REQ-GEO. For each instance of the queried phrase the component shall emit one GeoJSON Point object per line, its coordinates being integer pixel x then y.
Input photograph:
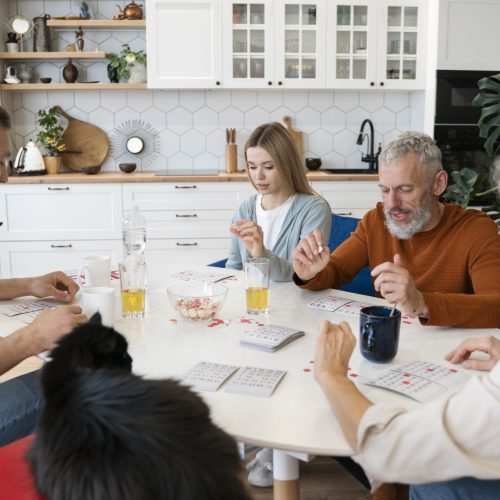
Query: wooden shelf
{"type": "Point", "coordinates": [72, 86]}
{"type": "Point", "coordinates": [96, 24]}
{"type": "Point", "coordinates": [17, 56]}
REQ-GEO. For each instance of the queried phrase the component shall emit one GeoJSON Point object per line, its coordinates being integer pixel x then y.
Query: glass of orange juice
{"type": "Point", "coordinates": [258, 273]}
{"type": "Point", "coordinates": [133, 286]}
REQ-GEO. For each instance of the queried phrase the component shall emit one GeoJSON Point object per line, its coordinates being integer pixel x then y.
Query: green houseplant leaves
{"type": "Point", "coordinates": [468, 181]}
{"type": "Point", "coordinates": [489, 122]}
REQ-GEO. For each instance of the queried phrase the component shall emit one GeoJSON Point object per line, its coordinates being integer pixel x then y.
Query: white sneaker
{"type": "Point", "coordinates": [260, 469]}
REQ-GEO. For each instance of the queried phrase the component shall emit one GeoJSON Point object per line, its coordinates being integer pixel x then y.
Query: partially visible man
{"type": "Point", "coordinates": [444, 443]}
{"type": "Point", "coordinates": [20, 397]}
{"type": "Point", "coordinates": [436, 261]}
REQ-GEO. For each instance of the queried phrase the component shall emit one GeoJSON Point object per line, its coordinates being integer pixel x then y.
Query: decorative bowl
{"type": "Point", "coordinates": [127, 168]}
{"type": "Point", "coordinates": [45, 80]}
{"type": "Point", "coordinates": [197, 301]}
{"type": "Point", "coordinates": [91, 170]}
{"type": "Point", "coordinates": [313, 163]}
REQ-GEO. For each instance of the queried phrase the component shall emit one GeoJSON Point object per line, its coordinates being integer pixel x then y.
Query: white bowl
{"type": "Point", "coordinates": [197, 301]}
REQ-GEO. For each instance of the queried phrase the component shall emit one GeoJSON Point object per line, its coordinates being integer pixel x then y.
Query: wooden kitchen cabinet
{"type": "Point", "coordinates": [274, 44]}
{"type": "Point", "coordinates": [376, 44]}
{"type": "Point", "coordinates": [352, 199]}
{"type": "Point", "coordinates": [184, 43]}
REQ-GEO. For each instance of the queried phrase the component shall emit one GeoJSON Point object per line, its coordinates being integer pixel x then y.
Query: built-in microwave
{"type": "Point", "coordinates": [454, 94]}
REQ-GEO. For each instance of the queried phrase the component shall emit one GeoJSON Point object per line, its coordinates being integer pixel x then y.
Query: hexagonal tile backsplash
{"type": "Point", "coordinates": [191, 123]}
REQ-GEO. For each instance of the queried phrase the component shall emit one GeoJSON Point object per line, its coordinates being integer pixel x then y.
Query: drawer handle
{"type": "Point", "coordinates": [61, 246]}
{"type": "Point", "coordinates": [343, 213]}
{"type": "Point", "coordinates": [186, 244]}
{"type": "Point", "coordinates": [58, 189]}
{"type": "Point", "coordinates": [186, 215]}
{"type": "Point", "coordinates": [186, 187]}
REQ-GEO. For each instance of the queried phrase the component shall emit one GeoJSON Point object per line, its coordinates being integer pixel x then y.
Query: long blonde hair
{"type": "Point", "coordinates": [274, 138]}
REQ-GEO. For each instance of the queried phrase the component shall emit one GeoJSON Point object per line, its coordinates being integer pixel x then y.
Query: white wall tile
{"type": "Point", "coordinates": [139, 101]}
{"type": "Point", "coordinates": [346, 101]}
{"type": "Point", "coordinates": [193, 143]}
{"type": "Point", "coordinates": [321, 100]}
{"type": "Point", "coordinates": [192, 100]}
{"type": "Point", "coordinates": [269, 101]}
{"type": "Point", "coordinates": [371, 101]}
{"type": "Point", "coordinates": [320, 142]}
{"type": "Point", "coordinates": [179, 120]}
{"type": "Point", "coordinates": [87, 101]}
{"type": "Point", "coordinates": [396, 101]}
{"type": "Point", "coordinates": [345, 142]}
{"type": "Point", "coordinates": [295, 100]}
{"type": "Point", "coordinates": [218, 99]}
{"type": "Point", "coordinates": [307, 119]}
{"type": "Point", "coordinates": [243, 100]}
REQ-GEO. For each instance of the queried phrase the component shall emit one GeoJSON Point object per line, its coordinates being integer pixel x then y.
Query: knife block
{"type": "Point", "coordinates": [231, 158]}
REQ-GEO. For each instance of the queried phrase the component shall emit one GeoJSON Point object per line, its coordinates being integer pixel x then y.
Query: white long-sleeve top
{"type": "Point", "coordinates": [446, 439]}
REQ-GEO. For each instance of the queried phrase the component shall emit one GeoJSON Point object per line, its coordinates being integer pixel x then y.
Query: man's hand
{"type": "Point", "coordinates": [251, 234]}
{"type": "Point", "coordinates": [395, 284]}
{"type": "Point", "coordinates": [51, 324]}
{"type": "Point", "coordinates": [334, 348]}
{"type": "Point", "coordinates": [56, 284]}
{"type": "Point", "coordinates": [487, 344]}
{"type": "Point", "coordinates": [311, 256]}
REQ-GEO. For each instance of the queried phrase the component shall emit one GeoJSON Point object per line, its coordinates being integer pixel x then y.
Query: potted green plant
{"type": "Point", "coordinates": [129, 65]}
{"type": "Point", "coordinates": [467, 181]}
{"type": "Point", "coordinates": [50, 138]}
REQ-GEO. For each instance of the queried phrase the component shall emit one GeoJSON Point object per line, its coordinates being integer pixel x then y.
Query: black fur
{"type": "Point", "coordinates": [107, 434]}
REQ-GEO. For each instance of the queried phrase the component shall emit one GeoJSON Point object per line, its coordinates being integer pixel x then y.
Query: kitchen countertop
{"type": "Point", "coordinates": [118, 177]}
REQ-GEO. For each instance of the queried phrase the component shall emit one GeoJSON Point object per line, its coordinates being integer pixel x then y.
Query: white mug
{"type": "Point", "coordinates": [99, 299]}
{"type": "Point", "coordinates": [97, 271]}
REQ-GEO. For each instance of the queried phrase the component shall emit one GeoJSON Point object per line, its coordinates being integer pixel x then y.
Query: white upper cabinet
{"type": "Point", "coordinates": [358, 44]}
{"type": "Point", "coordinates": [376, 44]}
{"type": "Point", "coordinates": [276, 44]}
{"type": "Point", "coordinates": [469, 38]}
{"type": "Point", "coordinates": [184, 43]}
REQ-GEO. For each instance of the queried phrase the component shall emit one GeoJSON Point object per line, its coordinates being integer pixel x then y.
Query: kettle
{"type": "Point", "coordinates": [132, 11]}
{"type": "Point", "coordinates": [11, 75]}
{"type": "Point", "coordinates": [29, 160]}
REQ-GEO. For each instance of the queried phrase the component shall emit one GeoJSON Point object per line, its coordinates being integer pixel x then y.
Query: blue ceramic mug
{"type": "Point", "coordinates": [379, 333]}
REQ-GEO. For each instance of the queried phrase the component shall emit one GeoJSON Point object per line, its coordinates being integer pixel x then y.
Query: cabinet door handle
{"type": "Point", "coordinates": [186, 244]}
{"type": "Point", "coordinates": [61, 246]}
{"type": "Point", "coordinates": [343, 213]}
{"type": "Point", "coordinates": [186, 187]}
{"type": "Point", "coordinates": [58, 189]}
{"type": "Point", "coordinates": [269, 83]}
{"type": "Point", "coordinates": [186, 215]}
{"type": "Point", "coordinates": [381, 84]}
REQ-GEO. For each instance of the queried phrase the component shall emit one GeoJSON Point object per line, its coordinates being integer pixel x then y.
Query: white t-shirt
{"type": "Point", "coordinates": [271, 221]}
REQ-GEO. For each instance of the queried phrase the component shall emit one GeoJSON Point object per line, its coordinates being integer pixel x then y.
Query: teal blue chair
{"type": "Point", "coordinates": [341, 229]}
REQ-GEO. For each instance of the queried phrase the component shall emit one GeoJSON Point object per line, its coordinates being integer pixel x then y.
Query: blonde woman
{"type": "Point", "coordinates": [271, 223]}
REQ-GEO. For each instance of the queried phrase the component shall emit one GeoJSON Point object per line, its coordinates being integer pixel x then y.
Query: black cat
{"type": "Point", "coordinates": [106, 434]}
{"type": "Point", "coordinates": [89, 347]}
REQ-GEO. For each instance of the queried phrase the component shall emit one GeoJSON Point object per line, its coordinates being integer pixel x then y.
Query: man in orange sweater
{"type": "Point", "coordinates": [439, 262]}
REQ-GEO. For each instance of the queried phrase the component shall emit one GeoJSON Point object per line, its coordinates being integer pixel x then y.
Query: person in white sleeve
{"type": "Point", "coordinates": [448, 449]}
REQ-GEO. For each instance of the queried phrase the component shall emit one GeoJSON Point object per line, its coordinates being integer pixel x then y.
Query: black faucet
{"type": "Point", "coordinates": [371, 158]}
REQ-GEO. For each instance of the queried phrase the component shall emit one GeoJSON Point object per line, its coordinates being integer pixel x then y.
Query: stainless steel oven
{"type": "Point", "coordinates": [456, 131]}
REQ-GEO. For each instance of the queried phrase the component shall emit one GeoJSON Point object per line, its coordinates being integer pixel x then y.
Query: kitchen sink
{"type": "Point", "coordinates": [348, 171]}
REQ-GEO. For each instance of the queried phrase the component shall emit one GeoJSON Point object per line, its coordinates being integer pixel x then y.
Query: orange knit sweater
{"type": "Point", "coordinates": [456, 265]}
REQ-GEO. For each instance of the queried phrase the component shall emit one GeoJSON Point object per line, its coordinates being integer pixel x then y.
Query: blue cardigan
{"type": "Point", "coordinates": [307, 212]}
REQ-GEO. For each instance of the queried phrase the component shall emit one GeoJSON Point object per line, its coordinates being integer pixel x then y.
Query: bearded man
{"type": "Point", "coordinates": [436, 261]}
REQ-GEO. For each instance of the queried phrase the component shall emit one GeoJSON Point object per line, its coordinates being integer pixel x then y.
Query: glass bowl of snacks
{"type": "Point", "coordinates": [197, 301]}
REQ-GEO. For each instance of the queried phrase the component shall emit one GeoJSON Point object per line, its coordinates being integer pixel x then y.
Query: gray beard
{"type": "Point", "coordinates": [420, 218]}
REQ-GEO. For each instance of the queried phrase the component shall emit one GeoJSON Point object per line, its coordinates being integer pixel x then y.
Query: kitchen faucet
{"type": "Point", "coordinates": [369, 157]}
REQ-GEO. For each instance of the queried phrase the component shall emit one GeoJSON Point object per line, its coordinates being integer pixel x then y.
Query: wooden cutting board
{"type": "Point", "coordinates": [296, 134]}
{"type": "Point", "coordinates": [87, 144]}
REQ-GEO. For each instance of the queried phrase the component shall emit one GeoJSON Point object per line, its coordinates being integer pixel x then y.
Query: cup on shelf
{"type": "Point", "coordinates": [258, 274]}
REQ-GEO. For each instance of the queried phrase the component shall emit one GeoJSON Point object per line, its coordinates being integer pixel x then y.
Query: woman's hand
{"type": "Point", "coordinates": [251, 234]}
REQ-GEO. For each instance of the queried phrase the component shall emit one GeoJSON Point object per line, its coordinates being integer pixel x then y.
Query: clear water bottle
{"type": "Point", "coordinates": [134, 233]}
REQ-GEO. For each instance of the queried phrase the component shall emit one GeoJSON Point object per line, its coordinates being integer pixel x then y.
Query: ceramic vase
{"type": "Point", "coordinates": [138, 74]}
{"type": "Point", "coordinates": [70, 72]}
{"type": "Point", "coordinates": [112, 74]}
{"type": "Point", "coordinates": [25, 73]}
{"type": "Point", "coordinates": [52, 164]}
